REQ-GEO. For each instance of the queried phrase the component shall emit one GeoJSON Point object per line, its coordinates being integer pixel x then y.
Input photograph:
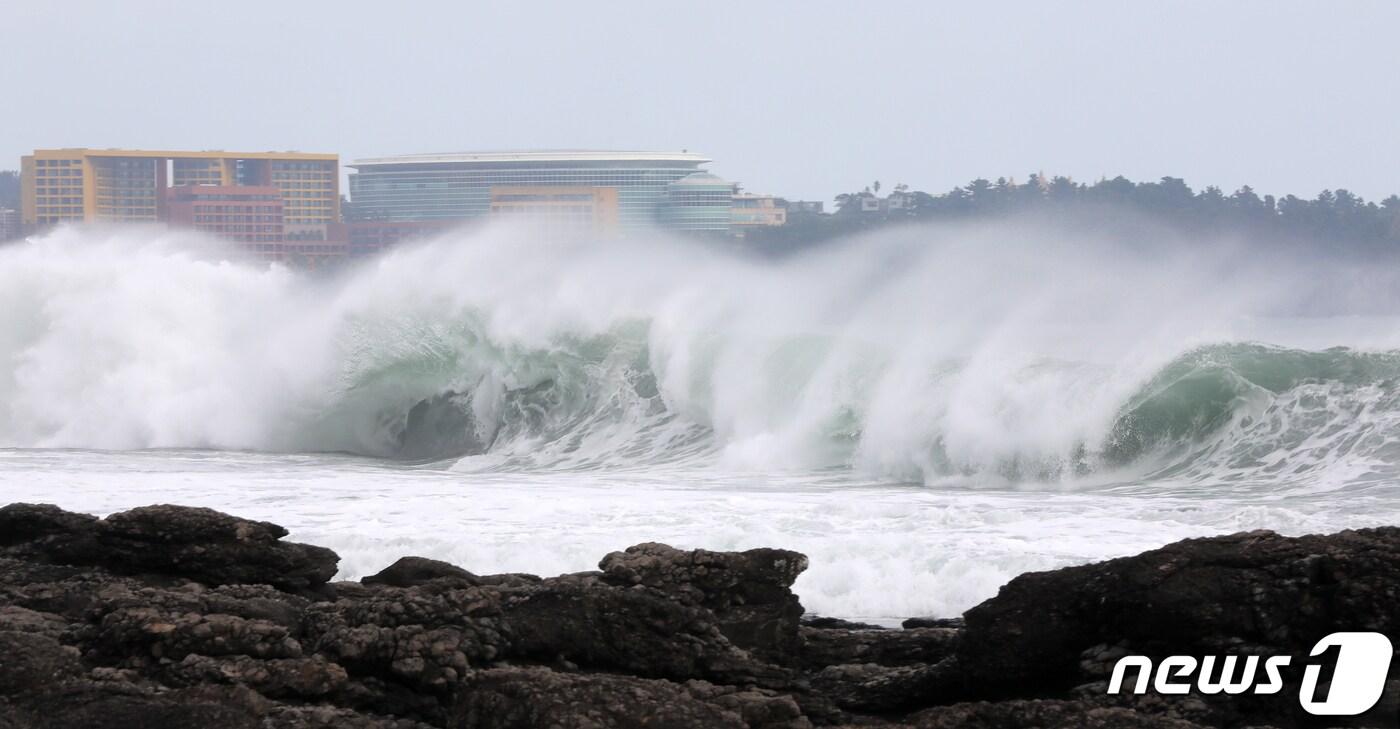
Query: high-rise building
{"type": "Point", "coordinates": [251, 215]}
{"type": "Point", "coordinates": [125, 185]}
{"type": "Point", "coordinates": [456, 187]}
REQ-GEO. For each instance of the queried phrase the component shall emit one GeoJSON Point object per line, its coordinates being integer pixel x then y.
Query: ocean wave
{"type": "Point", "coordinates": [986, 353]}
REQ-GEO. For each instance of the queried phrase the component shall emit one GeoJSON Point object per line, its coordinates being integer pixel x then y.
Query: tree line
{"type": "Point", "coordinates": [1335, 217]}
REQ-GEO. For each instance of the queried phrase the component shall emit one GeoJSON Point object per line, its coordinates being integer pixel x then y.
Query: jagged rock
{"type": "Point", "coordinates": [29, 662]}
{"type": "Point", "coordinates": [422, 636]}
{"type": "Point", "coordinates": [538, 698]}
{"type": "Point", "coordinates": [1039, 714]}
{"type": "Point", "coordinates": [885, 689]}
{"type": "Point", "coordinates": [829, 647]}
{"type": "Point", "coordinates": [329, 717]}
{"type": "Point", "coordinates": [173, 637]}
{"type": "Point", "coordinates": [1199, 596]}
{"type": "Point", "coordinates": [932, 623]}
{"type": "Point", "coordinates": [823, 622]}
{"type": "Point", "coordinates": [750, 592]}
{"type": "Point", "coordinates": [24, 620]}
{"type": "Point", "coordinates": [633, 629]}
{"type": "Point", "coordinates": [411, 571]}
{"type": "Point", "coordinates": [194, 543]}
{"type": "Point", "coordinates": [305, 678]}
{"type": "Point", "coordinates": [165, 617]}
{"type": "Point", "coordinates": [89, 705]}
{"type": "Point", "coordinates": [27, 522]}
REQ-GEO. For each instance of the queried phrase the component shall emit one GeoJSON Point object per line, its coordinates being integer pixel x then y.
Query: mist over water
{"type": "Point", "coordinates": [944, 398]}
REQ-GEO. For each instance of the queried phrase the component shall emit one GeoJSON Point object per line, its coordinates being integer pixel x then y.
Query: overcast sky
{"type": "Point", "coordinates": [803, 99]}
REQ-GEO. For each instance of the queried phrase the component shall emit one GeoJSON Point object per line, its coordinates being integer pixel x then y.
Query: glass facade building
{"type": "Point", "coordinates": [698, 202]}
{"type": "Point", "coordinates": [447, 187]}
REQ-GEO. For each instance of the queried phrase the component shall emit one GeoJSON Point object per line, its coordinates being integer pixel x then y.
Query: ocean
{"type": "Point", "coordinates": [924, 412]}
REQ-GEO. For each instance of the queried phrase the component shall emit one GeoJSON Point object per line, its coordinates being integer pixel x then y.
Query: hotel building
{"type": "Point", "coordinates": [123, 185]}
{"type": "Point", "coordinates": [251, 215]}
{"type": "Point", "coordinates": [459, 187]}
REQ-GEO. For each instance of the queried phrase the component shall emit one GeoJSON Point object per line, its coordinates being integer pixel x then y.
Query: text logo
{"type": "Point", "coordinates": [1358, 674]}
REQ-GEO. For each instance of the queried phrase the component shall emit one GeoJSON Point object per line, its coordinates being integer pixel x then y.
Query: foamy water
{"type": "Point", "coordinates": [877, 551]}
{"type": "Point", "coordinates": [925, 413]}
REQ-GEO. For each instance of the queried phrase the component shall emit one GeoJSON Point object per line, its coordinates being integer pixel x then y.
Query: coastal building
{"type": "Point", "coordinates": [809, 207]}
{"type": "Point", "coordinates": [9, 224]}
{"type": "Point", "coordinates": [457, 187]}
{"type": "Point", "coordinates": [561, 208]}
{"type": "Point", "coordinates": [125, 185]}
{"type": "Point", "coordinates": [756, 211]}
{"type": "Point", "coordinates": [699, 202]}
{"type": "Point", "coordinates": [251, 215]}
{"type": "Point", "coordinates": [369, 237]}
{"type": "Point", "coordinates": [314, 246]}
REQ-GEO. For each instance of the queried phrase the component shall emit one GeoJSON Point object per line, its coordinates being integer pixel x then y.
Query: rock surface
{"type": "Point", "coordinates": [169, 616]}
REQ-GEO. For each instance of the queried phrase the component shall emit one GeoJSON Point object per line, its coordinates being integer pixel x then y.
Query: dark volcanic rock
{"type": "Point", "coordinates": [873, 688]}
{"type": "Point", "coordinates": [1201, 596]}
{"type": "Point", "coordinates": [27, 522]}
{"type": "Point", "coordinates": [750, 592]}
{"type": "Point", "coordinates": [412, 571]}
{"type": "Point", "coordinates": [527, 698]}
{"type": "Point", "coordinates": [933, 623]}
{"type": "Point", "coordinates": [194, 543]}
{"type": "Point", "coordinates": [94, 705]}
{"type": "Point", "coordinates": [633, 629]}
{"type": "Point", "coordinates": [1039, 714]}
{"type": "Point", "coordinates": [174, 617]}
{"type": "Point", "coordinates": [829, 647]}
{"type": "Point", "coordinates": [31, 662]}
{"type": "Point", "coordinates": [828, 623]}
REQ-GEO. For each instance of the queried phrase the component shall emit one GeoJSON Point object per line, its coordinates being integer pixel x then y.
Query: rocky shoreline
{"type": "Point", "coordinates": [168, 616]}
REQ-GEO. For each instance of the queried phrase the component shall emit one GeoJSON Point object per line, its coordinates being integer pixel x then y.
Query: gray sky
{"type": "Point", "coordinates": [801, 99]}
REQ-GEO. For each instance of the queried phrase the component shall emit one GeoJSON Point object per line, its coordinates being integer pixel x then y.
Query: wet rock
{"type": "Point", "coordinates": [1039, 714]}
{"type": "Point", "coordinates": [305, 678]}
{"type": "Point", "coordinates": [167, 616]}
{"type": "Point", "coordinates": [637, 630]}
{"type": "Point", "coordinates": [194, 543]}
{"type": "Point", "coordinates": [879, 689]}
{"type": "Point", "coordinates": [828, 623]}
{"type": "Point", "coordinates": [330, 717]}
{"type": "Point", "coordinates": [538, 698]}
{"type": "Point", "coordinates": [88, 705]}
{"type": "Point", "coordinates": [828, 647]}
{"type": "Point", "coordinates": [27, 522]}
{"type": "Point", "coordinates": [411, 571]}
{"type": "Point", "coordinates": [174, 636]}
{"type": "Point", "coordinates": [932, 623]}
{"type": "Point", "coordinates": [1210, 596]}
{"type": "Point", "coordinates": [29, 662]}
{"type": "Point", "coordinates": [750, 592]}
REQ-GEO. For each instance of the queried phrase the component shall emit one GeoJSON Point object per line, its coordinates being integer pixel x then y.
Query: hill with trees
{"type": "Point", "coordinates": [1336, 218]}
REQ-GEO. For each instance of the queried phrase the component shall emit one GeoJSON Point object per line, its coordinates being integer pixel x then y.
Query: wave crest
{"type": "Point", "coordinates": [960, 353]}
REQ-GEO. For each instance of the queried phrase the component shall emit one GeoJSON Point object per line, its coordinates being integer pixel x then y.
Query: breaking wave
{"type": "Point", "coordinates": [975, 353]}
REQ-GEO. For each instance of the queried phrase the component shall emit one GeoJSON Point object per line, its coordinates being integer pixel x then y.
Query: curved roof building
{"type": "Point", "coordinates": [444, 187]}
{"type": "Point", "coordinates": [699, 201]}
